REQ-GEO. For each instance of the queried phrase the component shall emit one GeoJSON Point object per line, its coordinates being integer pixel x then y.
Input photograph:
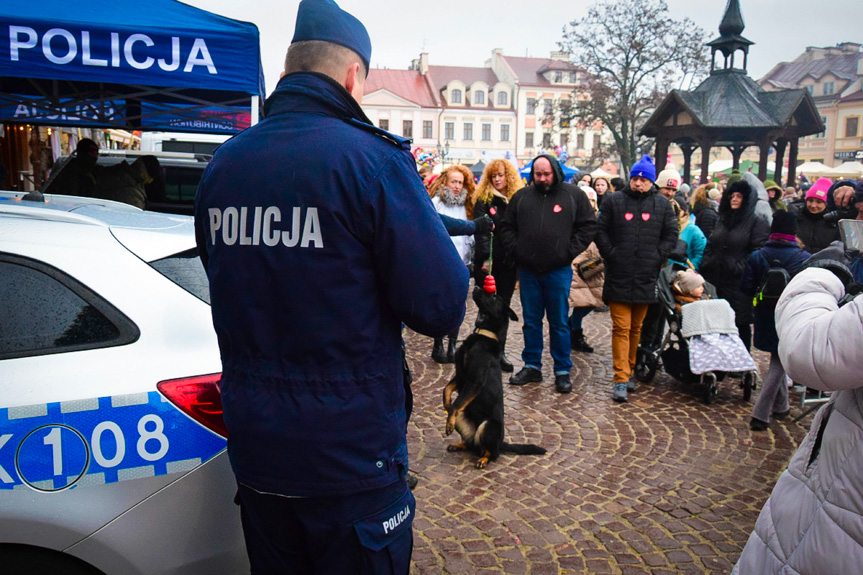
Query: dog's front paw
{"type": "Point", "coordinates": [482, 462]}
{"type": "Point", "coordinates": [450, 425]}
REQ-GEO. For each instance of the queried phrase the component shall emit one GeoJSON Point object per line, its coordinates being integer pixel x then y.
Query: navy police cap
{"type": "Point", "coordinates": [323, 20]}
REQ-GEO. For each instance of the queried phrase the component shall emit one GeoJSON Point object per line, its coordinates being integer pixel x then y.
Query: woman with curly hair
{"type": "Point", "coordinates": [500, 180]}
{"type": "Point", "coordinates": [452, 195]}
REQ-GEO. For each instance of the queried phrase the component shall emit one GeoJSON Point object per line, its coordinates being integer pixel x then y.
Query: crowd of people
{"type": "Point", "coordinates": [729, 234]}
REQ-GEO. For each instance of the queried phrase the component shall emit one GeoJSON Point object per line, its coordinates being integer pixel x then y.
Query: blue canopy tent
{"type": "Point", "coordinates": [567, 171]}
{"type": "Point", "coordinates": [154, 65]}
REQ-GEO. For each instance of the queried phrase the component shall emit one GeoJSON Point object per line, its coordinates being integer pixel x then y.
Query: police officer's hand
{"type": "Point", "coordinates": [483, 225]}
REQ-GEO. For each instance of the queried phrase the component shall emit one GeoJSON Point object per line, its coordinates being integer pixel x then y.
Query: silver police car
{"type": "Point", "coordinates": [112, 445]}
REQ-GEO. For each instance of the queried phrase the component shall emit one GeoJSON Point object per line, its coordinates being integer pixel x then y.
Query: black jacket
{"type": "Point", "coordinates": [706, 218]}
{"type": "Point", "coordinates": [546, 230]}
{"type": "Point", "coordinates": [637, 232]}
{"type": "Point", "coordinates": [495, 209]}
{"type": "Point", "coordinates": [813, 231]}
{"type": "Point", "coordinates": [738, 233]}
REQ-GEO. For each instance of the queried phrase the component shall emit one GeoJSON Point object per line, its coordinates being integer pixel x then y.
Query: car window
{"type": "Point", "coordinates": [47, 312]}
{"type": "Point", "coordinates": [186, 270]}
{"type": "Point", "coordinates": [181, 184]}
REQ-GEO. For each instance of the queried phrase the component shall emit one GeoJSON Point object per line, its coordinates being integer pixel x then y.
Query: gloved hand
{"type": "Point", "coordinates": [484, 225]}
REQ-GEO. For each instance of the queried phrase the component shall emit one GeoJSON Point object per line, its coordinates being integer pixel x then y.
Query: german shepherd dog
{"type": "Point", "coordinates": [477, 413]}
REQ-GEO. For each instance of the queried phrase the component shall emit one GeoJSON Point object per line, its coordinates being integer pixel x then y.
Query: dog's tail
{"type": "Point", "coordinates": [522, 449]}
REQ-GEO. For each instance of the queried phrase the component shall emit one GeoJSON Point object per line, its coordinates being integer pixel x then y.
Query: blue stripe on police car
{"type": "Point", "coordinates": [57, 446]}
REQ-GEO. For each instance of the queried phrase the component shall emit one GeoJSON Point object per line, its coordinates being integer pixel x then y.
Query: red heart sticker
{"type": "Point", "coordinates": [492, 211]}
{"type": "Point", "coordinates": [556, 209]}
{"type": "Point", "coordinates": [627, 216]}
{"type": "Point", "coordinates": [645, 217]}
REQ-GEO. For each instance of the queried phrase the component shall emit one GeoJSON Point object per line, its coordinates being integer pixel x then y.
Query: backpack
{"type": "Point", "coordinates": [773, 282]}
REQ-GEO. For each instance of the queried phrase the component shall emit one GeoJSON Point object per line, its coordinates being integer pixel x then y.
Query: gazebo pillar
{"type": "Point", "coordinates": [661, 152]}
{"type": "Point", "coordinates": [762, 161]}
{"type": "Point", "coordinates": [705, 161]}
{"type": "Point", "coordinates": [780, 160]}
{"type": "Point", "coordinates": [792, 163]}
{"type": "Point", "coordinates": [736, 151]}
{"type": "Point", "coordinates": [687, 162]}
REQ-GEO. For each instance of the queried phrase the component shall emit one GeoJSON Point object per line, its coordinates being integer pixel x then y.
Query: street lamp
{"type": "Point", "coordinates": [443, 151]}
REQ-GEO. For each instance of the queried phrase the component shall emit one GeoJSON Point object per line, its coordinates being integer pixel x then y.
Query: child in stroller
{"type": "Point", "coordinates": [701, 343]}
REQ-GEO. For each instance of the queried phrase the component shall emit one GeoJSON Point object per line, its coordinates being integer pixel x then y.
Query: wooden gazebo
{"type": "Point", "coordinates": [730, 110]}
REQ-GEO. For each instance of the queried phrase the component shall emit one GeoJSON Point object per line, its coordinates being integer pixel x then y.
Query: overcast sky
{"type": "Point", "coordinates": [463, 33]}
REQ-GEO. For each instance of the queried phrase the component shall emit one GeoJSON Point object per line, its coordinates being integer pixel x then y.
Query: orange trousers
{"type": "Point", "coordinates": [626, 321]}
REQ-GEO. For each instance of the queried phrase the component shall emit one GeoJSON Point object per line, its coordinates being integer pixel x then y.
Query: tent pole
{"type": "Point", "coordinates": [255, 109]}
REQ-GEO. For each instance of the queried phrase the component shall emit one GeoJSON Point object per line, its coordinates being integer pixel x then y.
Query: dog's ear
{"type": "Point", "coordinates": [511, 314]}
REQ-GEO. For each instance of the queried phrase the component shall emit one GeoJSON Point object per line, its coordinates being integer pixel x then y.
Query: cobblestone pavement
{"type": "Point", "coordinates": [663, 484]}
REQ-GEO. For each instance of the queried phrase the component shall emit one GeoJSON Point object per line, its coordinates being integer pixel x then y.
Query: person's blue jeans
{"type": "Point", "coordinates": [578, 314]}
{"type": "Point", "coordinates": [546, 295]}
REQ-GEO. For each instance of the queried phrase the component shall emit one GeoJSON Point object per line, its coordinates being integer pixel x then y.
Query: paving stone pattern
{"type": "Point", "coordinates": [663, 484]}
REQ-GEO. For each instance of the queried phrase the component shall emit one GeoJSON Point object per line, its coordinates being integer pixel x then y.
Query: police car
{"type": "Point", "coordinates": [112, 444]}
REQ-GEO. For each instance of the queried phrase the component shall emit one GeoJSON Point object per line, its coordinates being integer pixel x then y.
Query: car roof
{"type": "Point", "coordinates": [149, 235]}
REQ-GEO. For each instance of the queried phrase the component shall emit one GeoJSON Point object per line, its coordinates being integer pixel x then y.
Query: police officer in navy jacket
{"type": "Point", "coordinates": [319, 240]}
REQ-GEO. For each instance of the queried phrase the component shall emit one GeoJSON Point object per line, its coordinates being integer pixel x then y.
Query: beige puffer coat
{"type": "Point", "coordinates": [813, 522]}
{"type": "Point", "coordinates": [581, 293]}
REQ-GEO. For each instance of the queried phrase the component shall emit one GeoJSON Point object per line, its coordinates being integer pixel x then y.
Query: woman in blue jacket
{"type": "Point", "coordinates": [782, 250]}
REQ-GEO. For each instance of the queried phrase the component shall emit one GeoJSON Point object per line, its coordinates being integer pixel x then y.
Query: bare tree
{"type": "Point", "coordinates": [633, 53]}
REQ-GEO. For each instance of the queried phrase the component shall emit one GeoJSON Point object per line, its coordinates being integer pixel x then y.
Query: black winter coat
{"type": "Point", "coordinates": [705, 218]}
{"type": "Point", "coordinates": [547, 229]}
{"type": "Point", "coordinates": [737, 234]}
{"type": "Point", "coordinates": [813, 231]}
{"type": "Point", "coordinates": [495, 209]}
{"type": "Point", "coordinates": [790, 257]}
{"type": "Point", "coordinates": [637, 232]}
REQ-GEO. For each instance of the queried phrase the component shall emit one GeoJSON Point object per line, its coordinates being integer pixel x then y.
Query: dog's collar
{"type": "Point", "coordinates": [486, 333]}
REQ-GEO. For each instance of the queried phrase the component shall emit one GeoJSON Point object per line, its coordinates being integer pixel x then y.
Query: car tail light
{"type": "Point", "coordinates": [199, 398]}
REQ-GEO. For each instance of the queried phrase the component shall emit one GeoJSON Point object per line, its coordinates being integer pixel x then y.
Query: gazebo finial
{"type": "Point", "coordinates": [732, 22]}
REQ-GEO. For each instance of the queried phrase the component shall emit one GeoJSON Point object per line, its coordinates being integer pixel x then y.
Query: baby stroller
{"type": "Point", "coordinates": [701, 344]}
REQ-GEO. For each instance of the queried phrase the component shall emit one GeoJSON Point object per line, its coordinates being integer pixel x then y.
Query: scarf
{"type": "Point", "coordinates": [783, 237]}
{"type": "Point", "coordinates": [448, 198]}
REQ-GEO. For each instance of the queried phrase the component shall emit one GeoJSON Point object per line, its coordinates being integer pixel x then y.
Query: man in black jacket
{"type": "Point", "coordinates": [546, 225]}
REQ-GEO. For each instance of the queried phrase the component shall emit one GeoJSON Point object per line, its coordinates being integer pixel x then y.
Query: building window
{"type": "Point", "coordinates": [579, 141]}
{"type": "Point", "coordinates": [528, 139]}
{"type": "Point", "coordinates": [427, 129]}
{"type": "Point", "coordinates": [408, 128]}
{"type": "Point", "coordinates": [531, 105]}
{"type": "Point", "coordinates": [597, 141]}
{"type": "Point", "coordinates": [548, 107]}
{"type": "Point", "coordinates": [573, 77]}
{"type": "Point", "coordinates": [384, 124]}
{"type": "Point", "coordinates": [455, 96]}
{"type": "Point", "coordinates": [449, 131]}
{"type": "Point", "coordinates": [546, 140]}
{"type": "Point", "coordinates": [823, 132]}
{"type": "Point", "coordinates": [486, 132]}
{"type": "Point", "coordinates": [504, 132]}
{"type": "Point", "coordinates": [502, 99]}
{"type": "Point", "coordinates": [479, 98]}
{"type": "Point", "coordinates": [558, 77]}
{"type": "Point", "coordinates": [811, 89]}
{"type": "Point", "coordinates": [564, 140]}
{"type": "Point", "coordinates": [468, 130]}
{"type": "Point", "coordinates": [828, 88]}
{"type": "Point", "coordinates": [851, 127]}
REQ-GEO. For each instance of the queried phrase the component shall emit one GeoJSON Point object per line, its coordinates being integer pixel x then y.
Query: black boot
{"type": "Point", "coordinates": [450, 350]}
{"type": "Point", "coordinates": [438, 353]}
{"type": "Point", "coordinates": [579, 343]}
{"type": "Point", "coordinates": [505, 364]}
